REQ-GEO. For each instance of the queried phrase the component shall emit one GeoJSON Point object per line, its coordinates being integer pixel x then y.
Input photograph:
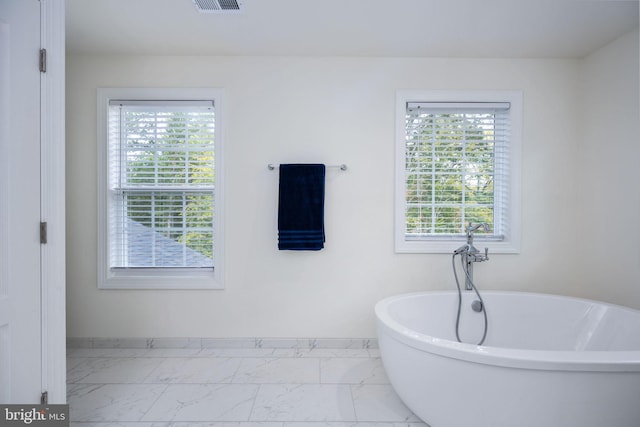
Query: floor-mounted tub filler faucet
{"type": "Point", "coordinates": [471, 254]}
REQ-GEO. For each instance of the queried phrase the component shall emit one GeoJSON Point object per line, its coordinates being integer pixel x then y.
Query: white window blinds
{"type": "Point", "coordinates": [456, 168]}
{"type": "Point", "coordinates": [161, 183]}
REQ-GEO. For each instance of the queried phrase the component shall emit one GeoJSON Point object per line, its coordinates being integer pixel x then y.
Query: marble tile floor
{"type": "Point", "coordinates": [260, 387]}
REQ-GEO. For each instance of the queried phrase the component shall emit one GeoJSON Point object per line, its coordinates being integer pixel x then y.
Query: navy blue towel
{"type": "Point", "coordinates": [301, 207]}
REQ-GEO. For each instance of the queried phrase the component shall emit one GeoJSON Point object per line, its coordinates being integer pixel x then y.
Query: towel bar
{"type": "Point", "coordinates": [342, 167]}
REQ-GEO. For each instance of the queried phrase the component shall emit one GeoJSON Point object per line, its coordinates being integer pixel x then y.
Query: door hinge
{"type": "Point", "coordinates": [43, 60]}
{"type": "Point", "coordinates": [44, 398]}
{"type": "Point", "coordinates": [43, 232]}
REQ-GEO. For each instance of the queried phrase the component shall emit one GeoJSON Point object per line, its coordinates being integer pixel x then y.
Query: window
{"type": "Point", "coordinates": [457, 161]}
{"type": "Point", "coordinates": [160, 188]}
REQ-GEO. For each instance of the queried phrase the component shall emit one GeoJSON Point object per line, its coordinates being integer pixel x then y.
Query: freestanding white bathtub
{"type": "Point", "coordinates": [548, 361]}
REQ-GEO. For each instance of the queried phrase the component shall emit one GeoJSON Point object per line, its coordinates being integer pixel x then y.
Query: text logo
{"type": "Point", "coordinates": [34, 415]}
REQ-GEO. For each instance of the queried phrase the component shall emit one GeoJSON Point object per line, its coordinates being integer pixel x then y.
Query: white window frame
{"type": "Point", "coordinates": [159, 278]}
{"type": "Point", "coordinates": [510, 242]}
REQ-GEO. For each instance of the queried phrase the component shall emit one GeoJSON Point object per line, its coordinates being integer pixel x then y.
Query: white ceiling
{"type": "Point", "coordinates": [394, 28]}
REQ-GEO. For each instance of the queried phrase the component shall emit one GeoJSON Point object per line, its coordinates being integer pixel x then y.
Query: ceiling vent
{"type": "Point", "coordinates": [218, 6]}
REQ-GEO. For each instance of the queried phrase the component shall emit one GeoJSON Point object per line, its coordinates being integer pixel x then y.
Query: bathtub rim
{"type": "Point", "coordinates": [554, 360]}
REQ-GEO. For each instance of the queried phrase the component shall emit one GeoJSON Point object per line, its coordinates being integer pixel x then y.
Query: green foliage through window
{"type": "Point", "coordinates": [163, 181]}
{"type": "Point", "coordinates": [450, 169]}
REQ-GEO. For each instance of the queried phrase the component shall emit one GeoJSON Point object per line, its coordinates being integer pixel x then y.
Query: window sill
{"type": "Point", "coordinates": [160, 279]}
{"type": "Point", "coordinates": [448, 246]}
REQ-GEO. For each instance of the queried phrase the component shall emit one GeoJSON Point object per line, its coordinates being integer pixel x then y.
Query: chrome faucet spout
{"type": "Point", "coordinates": [471, 228]}
{"type": "Point", "coordinates": [471, 254]}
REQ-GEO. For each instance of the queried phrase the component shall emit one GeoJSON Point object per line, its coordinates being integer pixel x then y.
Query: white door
{"type": "Point", "coordinates": [20, 292]}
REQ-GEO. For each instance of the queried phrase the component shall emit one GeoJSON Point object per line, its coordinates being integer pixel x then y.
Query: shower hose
{"type": "Point", "coordinates": [473, 286]}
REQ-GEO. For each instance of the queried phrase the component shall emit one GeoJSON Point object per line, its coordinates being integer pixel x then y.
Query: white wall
{"type": "Point", "coordinates": [609, 153]}
{"type": "Point", "coordinates": [331, 110]}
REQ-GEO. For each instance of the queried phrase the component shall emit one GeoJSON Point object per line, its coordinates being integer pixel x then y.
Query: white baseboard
{"type": "Point", "coordinates": [194, 343]}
